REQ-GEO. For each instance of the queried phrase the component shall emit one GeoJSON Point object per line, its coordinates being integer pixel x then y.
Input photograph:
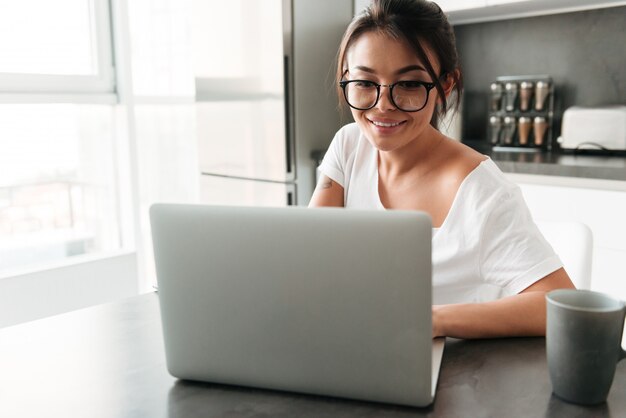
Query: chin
{"type": "Point", "coordinates": [384, 143]}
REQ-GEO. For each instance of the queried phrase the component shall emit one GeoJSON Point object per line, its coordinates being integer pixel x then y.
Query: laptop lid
{"type": "Point", "coordinates": [324, 301]}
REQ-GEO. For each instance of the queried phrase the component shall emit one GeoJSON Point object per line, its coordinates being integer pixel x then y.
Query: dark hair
{"type": "Point", "coordinates": [415, 22]}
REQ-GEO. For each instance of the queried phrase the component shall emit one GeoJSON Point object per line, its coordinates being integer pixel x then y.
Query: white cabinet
{"type": "Point", "coordinates": [599, 204]}
{"type": "Point", "coordinates": [453, 5]}
{"type": "Point", "coordinates": [474, 11]}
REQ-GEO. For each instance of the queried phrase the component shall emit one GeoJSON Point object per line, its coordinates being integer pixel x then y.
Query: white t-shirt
{"type": "Point", "coordinates": [488, 246]}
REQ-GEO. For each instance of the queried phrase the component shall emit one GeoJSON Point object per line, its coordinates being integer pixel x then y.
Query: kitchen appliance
{"type": "Point", "coordinates": [522, 119]}
{"type": "Point", "coordinates": [271, 102]}
{"type": "Point", "coordinates": [601, 129]}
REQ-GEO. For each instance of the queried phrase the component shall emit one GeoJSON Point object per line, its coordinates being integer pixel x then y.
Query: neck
{"type": "Point", "coordinates": [415, 157]}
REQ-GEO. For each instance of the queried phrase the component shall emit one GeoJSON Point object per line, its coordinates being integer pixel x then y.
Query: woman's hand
{"type": "Point", "coordinates": [523, 314]}
{"type": "Point", "coordinates": [437, 326]}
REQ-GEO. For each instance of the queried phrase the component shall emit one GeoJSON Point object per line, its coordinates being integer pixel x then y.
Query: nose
{"type": "Point", "coordinates": [384, 100]}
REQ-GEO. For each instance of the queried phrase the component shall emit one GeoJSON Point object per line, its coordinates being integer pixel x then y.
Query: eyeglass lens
{"type": "Point", "coordinates": [406, 96]}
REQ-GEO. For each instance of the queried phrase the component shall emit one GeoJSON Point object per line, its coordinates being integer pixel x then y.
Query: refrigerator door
{"type": "Point", "coordinates": [217, 190]}
{"type": "Point", "coordinates": [243, 100]}
{"type": "Point", "coordinates": [244, 138]}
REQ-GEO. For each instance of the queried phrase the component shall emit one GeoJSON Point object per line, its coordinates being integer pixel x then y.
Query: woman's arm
{"type": "Point", "coordinates": [523, 314]}
{"type": "Point", "coordinates": [327, 193]}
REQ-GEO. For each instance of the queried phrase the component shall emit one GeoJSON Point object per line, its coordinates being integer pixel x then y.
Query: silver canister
{"type": "Point", "coordinates": [542, 91]}
{"type": "Point", "coordinates": [508, 130]}
{"type": "Point", "coordinates": [510, 94]}
{"type": "Point", "coordinates": [539, 130]}
{"type": "Point", "coordinates": [524, 125]}
{"type": "Point", "coordinates": [525, 95]}
{"type": "Point", "coordinates": [495, 127]}
{"type": "Point", "coordinates": [497, 91]}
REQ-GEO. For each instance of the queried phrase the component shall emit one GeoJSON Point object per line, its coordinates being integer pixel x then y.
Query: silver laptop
{"type": "Point", "coordinates": [324, 301]}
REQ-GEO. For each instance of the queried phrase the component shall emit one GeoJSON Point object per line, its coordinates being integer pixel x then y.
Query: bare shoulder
{"type": "Point", "coordinates": [460, 161]}
{"type": "Point", "coordinates": [453, 163]}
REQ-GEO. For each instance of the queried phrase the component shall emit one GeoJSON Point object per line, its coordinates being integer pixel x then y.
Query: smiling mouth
{"type": "Point", "coordinates": [386, 124]}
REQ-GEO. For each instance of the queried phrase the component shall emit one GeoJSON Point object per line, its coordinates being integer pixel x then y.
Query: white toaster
{"type": "Point", "coordinates": [601, 128]}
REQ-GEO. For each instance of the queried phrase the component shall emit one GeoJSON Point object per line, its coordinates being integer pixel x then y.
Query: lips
{"type": "Point", "coordinates": [386, 123]}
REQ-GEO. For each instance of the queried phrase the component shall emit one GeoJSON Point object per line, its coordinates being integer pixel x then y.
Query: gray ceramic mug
{"type": "Point", "coordinates": [583, 343]}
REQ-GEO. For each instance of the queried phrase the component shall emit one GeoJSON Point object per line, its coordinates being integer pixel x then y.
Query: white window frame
{"type": "Point", "coordinates": [38, 85]}
{"type": "Point", "coordinates": [103, 276]}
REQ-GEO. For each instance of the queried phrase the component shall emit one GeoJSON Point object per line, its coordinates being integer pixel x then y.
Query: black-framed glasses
{"type": "Point", "coordinates": [407, 96]}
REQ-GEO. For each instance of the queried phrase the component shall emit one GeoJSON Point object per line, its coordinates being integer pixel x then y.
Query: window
{"type": "Point", "coordinates": [59, 194]}
{"type": "Point", "coordinates": [55, 46]}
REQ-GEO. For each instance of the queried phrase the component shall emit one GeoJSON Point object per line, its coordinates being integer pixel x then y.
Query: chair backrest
{"type": "Point", "coordinates": [573, 242]}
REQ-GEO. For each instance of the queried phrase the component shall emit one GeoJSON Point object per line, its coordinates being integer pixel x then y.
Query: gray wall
{"type": "Point", "coordinates": [584, 52]}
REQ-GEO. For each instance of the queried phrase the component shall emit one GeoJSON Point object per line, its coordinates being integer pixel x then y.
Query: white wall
{"type": "Point", "coordinates": [360, 5]}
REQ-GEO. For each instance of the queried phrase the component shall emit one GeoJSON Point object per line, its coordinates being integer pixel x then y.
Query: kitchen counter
{"type": "Point", "coordinates": [556, 164]}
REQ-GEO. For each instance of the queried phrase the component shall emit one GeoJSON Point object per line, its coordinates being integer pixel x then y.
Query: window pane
{"type": "Point", "coordinates": [48, 37]}
{"type": "Point", "coordinates": [58, 195]}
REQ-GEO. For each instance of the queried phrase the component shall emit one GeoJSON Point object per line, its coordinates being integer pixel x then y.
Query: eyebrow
{"type": "Point", "coordinates": [402, 70]}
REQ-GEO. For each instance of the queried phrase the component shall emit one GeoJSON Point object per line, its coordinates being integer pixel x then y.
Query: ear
{"type": "Point", "coordinates": [448, 84]}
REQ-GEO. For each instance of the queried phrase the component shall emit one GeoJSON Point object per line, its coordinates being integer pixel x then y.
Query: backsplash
{"type": "Point", "coordinates": [584, 52]}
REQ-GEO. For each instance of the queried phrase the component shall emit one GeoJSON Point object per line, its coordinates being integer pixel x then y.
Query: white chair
{"type": "Point", "coordinates": [573, 242]}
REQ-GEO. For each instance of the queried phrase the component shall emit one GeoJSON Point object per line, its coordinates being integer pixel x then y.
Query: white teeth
{"type": "Point", "coordinates": [385, 125]}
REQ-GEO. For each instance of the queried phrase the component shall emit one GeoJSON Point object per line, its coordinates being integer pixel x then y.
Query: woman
{"type": "Point", "coordinates": [397, 68]}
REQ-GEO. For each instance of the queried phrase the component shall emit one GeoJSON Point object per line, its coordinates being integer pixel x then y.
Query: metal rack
{"type": "Point", "coordinates": [506, 117]}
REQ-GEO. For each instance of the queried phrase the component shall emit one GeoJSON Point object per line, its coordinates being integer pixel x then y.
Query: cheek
{"type": "Point", "coordinates": [358, 115]}
{"type": "Point", "coordinates": [431, 107]}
